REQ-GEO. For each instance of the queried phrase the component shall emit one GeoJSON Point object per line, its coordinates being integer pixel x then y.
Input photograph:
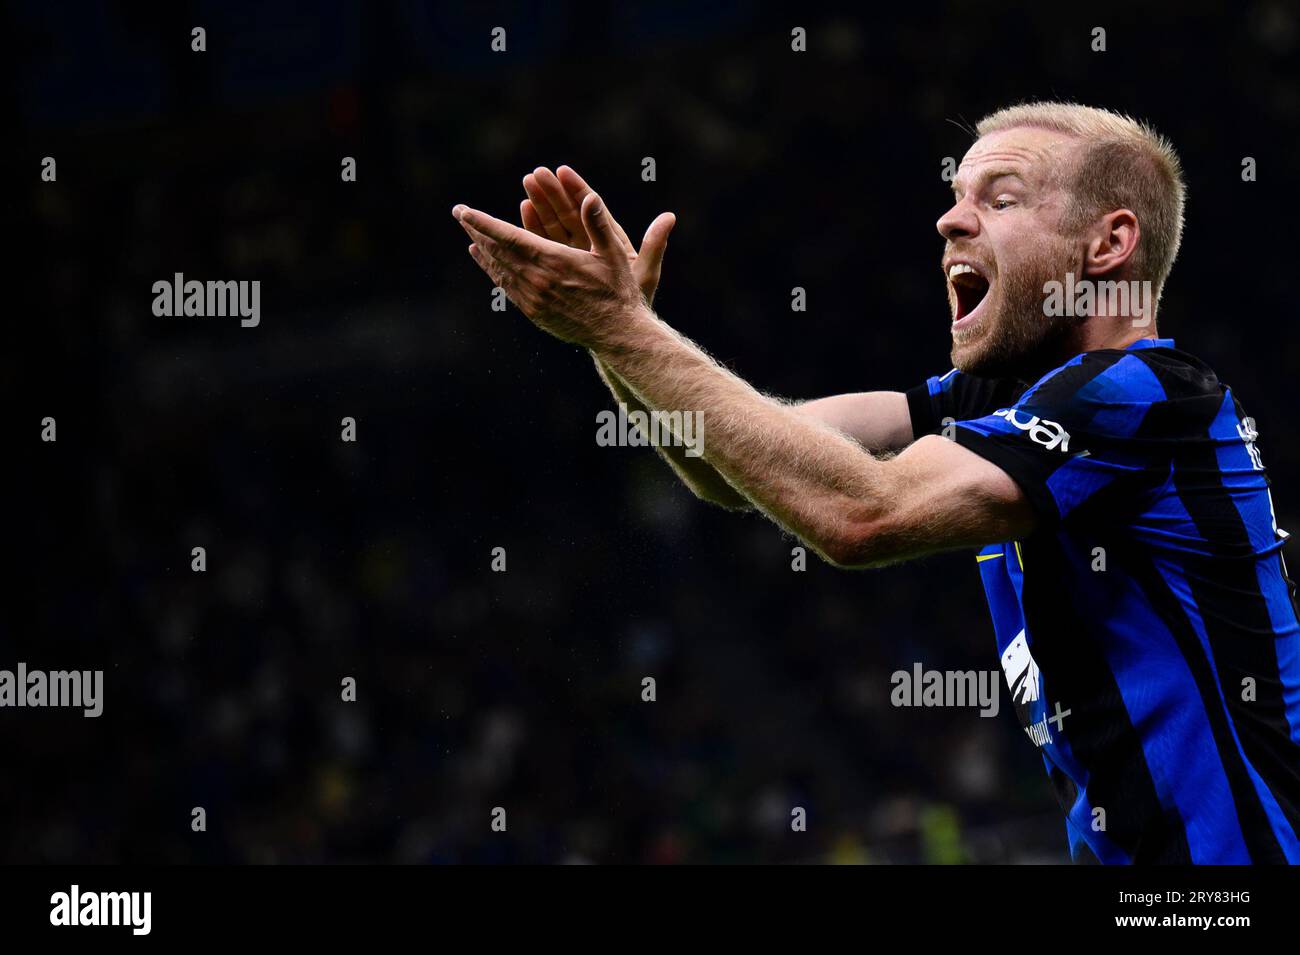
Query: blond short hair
{"type": "Point", "coordinates": [1122, 164]}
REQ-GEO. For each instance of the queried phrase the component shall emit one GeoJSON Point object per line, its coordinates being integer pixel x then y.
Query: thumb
{"type": "Point", "coordinates": [600, 229]}
{"type": "Point", "coordinates": [653, 247]}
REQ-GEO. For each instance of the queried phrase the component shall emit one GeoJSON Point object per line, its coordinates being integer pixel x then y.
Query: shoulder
{"type": "Point", "coordinates": [1111, 391]}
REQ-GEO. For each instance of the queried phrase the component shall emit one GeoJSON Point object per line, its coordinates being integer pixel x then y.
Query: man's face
{"type": "Point", "coordinates": [1003, 244]}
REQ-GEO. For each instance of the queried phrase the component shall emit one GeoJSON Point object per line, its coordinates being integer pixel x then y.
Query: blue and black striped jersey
{"type": "Point", "coordinates": [1147, 628]}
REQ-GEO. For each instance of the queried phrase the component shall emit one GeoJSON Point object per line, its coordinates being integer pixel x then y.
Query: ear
{"type": "Point", "coordinates": [1111, 243]}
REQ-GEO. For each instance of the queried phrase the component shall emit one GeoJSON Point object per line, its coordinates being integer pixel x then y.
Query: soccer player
{"type": "Point", "coordinates": [1109, 482]}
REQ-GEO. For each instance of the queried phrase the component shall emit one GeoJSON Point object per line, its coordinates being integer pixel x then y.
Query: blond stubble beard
{"type": "Point", "coordinates": [1017, 339]}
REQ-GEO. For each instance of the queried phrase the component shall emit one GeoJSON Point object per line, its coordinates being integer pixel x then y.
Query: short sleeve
{"type": "Point", "coordinates": [940, 401]}
{"type": "Point", "coordinates": [1072, 435]}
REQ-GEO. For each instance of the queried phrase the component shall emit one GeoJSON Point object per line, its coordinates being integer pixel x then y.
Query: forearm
{"type": "Point", "coordinates": [696, 473]}
{"type": "Point", "coordinates": [878, 420]}
{"type": "Point", "coordinates": [807, 476]}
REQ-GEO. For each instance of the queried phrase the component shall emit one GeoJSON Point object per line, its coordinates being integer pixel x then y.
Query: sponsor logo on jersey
{"type": "Point", "coordinates": [1041, 431]}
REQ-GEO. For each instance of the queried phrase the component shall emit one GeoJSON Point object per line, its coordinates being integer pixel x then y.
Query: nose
{"type": "Point", "coordinates": [958, 222]}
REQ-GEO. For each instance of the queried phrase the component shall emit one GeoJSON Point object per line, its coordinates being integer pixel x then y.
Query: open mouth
{"type": "Point", "coordinates": [969, 288]}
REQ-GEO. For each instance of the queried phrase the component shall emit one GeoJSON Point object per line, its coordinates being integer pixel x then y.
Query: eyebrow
{"type": "Point", "coordinates": [994, 174]}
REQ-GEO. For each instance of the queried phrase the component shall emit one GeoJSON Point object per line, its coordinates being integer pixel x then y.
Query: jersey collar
{"type": "Point", "coordinates": [1151, 343]}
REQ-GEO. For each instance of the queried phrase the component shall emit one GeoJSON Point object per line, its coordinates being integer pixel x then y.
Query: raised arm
{"type": "Point", "coordinates": [879, 421]}
{"type": "Point", "coordinates": [696, 473]}
{"type": "Point", "coordinates": [810, 478]}
{"type": "Point", "coordinates": [551, 211]}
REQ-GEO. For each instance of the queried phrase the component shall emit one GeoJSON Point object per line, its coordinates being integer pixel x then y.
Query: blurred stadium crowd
{"type": "Point", "coordinates": [326, 560]}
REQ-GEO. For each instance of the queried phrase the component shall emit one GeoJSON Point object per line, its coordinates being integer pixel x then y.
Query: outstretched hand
{"type": "Point", "coordinates": [585, 297]}
{"type": "Point", "coordinates": [552, 211]}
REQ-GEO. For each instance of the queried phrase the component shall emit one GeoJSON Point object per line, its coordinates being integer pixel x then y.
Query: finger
{"type": "Point", "coordinates": [566, 210]}
{"type": "Point", "coordinates": [531, 220]}
{"type": "Point", "coordinates": [603, 238]}
{"type": "Point", "coordinates": [650, 261]}
{"type": "Point", "coordinates": [506, 258]}
{"type": "Point", "coordinates": [542, 205]}
{"type": "Point", "coordinates": [578, 189]}
{"type": "Point", "coordinates": [507, 235]}
{"type": "Point", "coordinates": [508, 241]}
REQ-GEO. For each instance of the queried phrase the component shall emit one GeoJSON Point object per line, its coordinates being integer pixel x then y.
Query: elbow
{"type": "Point", "coordinates": [848, 556]}
{"type": "Point", "coordinates": [860, 545]}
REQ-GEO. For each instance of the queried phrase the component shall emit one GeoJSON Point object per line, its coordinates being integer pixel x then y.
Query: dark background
{"type": "Point", "coordinates": [371, 560]}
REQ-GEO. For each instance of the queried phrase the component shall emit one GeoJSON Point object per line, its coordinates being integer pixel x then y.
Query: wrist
{"type": "Point", "coordinates": [628, 335]}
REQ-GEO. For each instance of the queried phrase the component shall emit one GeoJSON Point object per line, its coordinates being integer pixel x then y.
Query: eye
{"type": "Point", "coordinates": [1002, 203]}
